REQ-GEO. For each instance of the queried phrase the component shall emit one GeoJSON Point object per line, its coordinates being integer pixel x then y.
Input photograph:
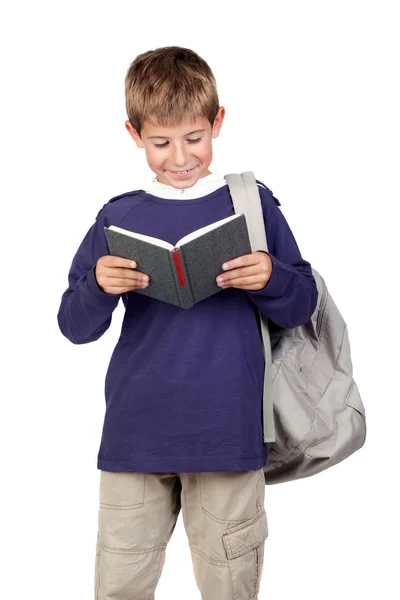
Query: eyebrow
{"type": "Point", "coordinates": [164, 137]}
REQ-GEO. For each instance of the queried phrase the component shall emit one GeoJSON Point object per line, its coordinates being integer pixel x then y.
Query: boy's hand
{"type": "Point", "coordinates": [116, 275]}
{"type": "Point", "coordinates": [247, 272]}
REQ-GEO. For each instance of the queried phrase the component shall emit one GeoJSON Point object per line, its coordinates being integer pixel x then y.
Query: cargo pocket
{"type": "Point", "coordinates": [121, 490]}
{"type": "Point", "coordinates": [244, 547]}
{"type": "Point", "coordinates": [121, 498]}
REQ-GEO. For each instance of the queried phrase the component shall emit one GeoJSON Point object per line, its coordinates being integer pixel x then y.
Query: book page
{"type": "Point", "coordinates": [143, 237]}
{"type": "Point", "coordinates": [203, 230]}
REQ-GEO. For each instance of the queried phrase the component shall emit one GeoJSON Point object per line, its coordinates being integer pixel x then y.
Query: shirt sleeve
{"type": "Point", "coordinates": [291, 294]}
{"type": "Point", "coordinates": [85, 311]}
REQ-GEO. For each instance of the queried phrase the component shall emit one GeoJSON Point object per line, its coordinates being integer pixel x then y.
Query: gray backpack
{"type": "Point", "coordinates": [313, 416]}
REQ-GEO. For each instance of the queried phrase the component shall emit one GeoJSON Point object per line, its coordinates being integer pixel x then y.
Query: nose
{"type": "Point", "coordinates": [179, 154]}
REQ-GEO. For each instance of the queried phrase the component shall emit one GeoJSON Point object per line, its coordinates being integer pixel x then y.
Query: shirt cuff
{"type": "Point", "coordinates": [94, 290]}
{"type": "Point", "coordinates": [273, 285]}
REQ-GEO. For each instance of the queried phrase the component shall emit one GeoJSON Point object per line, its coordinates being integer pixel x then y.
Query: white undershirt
{"type": "Point", "coordinates": [202, 187]}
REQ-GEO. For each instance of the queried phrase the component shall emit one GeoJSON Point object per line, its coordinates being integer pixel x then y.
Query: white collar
{"type": "Point", "coordinates": [202, 187]}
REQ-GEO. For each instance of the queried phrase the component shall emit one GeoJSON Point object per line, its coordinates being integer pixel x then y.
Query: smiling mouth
{"type": "Point", "coordinates": [184, 172]}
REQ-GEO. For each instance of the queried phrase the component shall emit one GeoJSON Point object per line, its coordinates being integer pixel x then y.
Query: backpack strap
{"type": "Point", "coordinates": [246, 199]}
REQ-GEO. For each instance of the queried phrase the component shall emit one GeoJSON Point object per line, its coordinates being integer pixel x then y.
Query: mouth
{"type": "Point", "coordinates": [182, 174]}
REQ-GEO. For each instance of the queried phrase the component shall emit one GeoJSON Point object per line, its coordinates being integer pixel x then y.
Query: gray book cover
{"type": "Point", "coordinates": [185, 274]}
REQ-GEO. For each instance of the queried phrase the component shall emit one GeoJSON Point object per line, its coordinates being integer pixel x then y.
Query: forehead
{"type": "Point", "coordinates": [186, 127]}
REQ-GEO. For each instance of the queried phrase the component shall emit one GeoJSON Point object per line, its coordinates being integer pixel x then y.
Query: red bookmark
{"type": "Point", "coordinates": [179, 267]}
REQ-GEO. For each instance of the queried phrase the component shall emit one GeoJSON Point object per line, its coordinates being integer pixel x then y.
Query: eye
{"type": "Point", "coordinates": [194, 141]}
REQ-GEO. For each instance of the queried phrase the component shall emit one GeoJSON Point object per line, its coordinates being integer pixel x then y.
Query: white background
{"type": "Point", "coordinates": [312, 108]}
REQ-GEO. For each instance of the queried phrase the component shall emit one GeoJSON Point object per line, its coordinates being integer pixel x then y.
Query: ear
{"type": "Point", "coordinates": [134, 134]}
{"type": "Point", "coordinates": [219, 117]}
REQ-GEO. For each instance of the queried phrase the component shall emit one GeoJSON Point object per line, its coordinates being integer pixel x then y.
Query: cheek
{"type": "Point", "coordinates": [154, 157]}
{"type": "Point", "coordinates": [205, 152]}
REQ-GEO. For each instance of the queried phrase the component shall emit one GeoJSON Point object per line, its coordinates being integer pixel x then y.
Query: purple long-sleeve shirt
{"type": "Point", "coordinates": [184, 388]}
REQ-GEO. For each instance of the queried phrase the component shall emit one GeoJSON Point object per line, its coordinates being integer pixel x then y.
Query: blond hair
{"type": "Point", "coordinates": [168, 85]}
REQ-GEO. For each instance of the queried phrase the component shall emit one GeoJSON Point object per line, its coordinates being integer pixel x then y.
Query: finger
{"type": "Point", "coordinates": [117, 261]}
{"type": "Point", "coordinates": [241, 272]}
{"type": "Point", "coordinates": [122, 289]}
{"type": "Point", "coordinates": [108, 281]}
{"type": "Point", "coordinates": [119, 290]}
{"type": "Point", "coordinates": [252, 282]}
{"type": "Point", "coordinates": [123, 272]}
{"type": "Point", "coordinates": [131, 283]}
{"type": "Point", "coordinates": [241, 261]}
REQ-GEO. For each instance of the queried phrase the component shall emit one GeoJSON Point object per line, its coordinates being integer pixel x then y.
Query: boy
{"type": "Point", "coordinates": [183, 421]}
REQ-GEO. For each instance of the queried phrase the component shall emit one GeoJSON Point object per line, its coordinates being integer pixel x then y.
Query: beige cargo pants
{"type": "Point", "coordinates": [224, 518]}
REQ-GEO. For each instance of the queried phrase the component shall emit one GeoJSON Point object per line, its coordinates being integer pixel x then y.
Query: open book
{"type": "Point", "coordinates": [186, 273]}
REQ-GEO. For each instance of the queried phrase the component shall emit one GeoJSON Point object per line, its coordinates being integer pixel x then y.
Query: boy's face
{"type": "Point", "coordinates": [171, 149]}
